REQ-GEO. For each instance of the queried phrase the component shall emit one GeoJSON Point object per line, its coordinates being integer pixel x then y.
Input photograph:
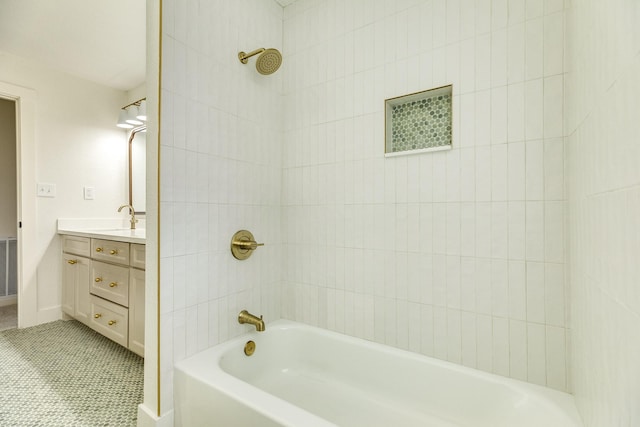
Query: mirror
{"type": "Point", "coordinates": [138, 168]}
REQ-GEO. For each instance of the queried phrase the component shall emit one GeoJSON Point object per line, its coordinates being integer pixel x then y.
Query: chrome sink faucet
{"type": "Point", "coordinates": [133, 219]}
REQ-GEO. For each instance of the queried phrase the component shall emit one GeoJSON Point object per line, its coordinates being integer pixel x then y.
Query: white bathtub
{"type": "Point", "coordinates": [301, 376]}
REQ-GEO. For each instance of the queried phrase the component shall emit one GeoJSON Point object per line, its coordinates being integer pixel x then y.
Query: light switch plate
{"type": "Point", "coordinates": [46, 190]}
{"type": "Point", "coordinates": [89, 193]}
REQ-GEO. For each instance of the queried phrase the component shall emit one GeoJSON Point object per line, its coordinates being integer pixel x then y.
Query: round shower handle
{"type": "Point", "coordinates": [243, 244]}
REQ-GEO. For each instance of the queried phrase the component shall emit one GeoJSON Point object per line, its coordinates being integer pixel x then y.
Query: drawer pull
{"type": "Point", "coordinates": [97, 315]}
{"type": "Point", "coordinates": [113, 252]}
{"type": "Point", "coordinates": [98, 249]}
{"type": "Point", "coordinates": [113, 284]}
{"type": "Point", "coordinates": [72, 261]}
{"type": "Point", "coordinates": [111, 322]}
{"type": "Point", "coordinates": [98, 279]}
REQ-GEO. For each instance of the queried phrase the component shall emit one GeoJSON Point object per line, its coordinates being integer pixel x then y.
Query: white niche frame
{"type": "Point", "coordinates": [408, 99]}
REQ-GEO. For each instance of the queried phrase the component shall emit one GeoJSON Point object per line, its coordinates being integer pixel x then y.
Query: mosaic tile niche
{"type": "Point", "coordinates": [419, 122]}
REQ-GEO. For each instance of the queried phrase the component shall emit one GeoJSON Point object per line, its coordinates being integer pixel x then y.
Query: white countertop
{"type": "Point", "coordinates": [102, 228]}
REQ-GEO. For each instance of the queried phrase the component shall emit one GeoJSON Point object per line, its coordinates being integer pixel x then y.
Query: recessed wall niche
{"type": "Point", "coordinates": [419, 122]}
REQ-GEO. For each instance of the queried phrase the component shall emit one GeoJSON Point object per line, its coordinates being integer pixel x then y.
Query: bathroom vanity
{"type": "Point", "coordinates": [103, 279]}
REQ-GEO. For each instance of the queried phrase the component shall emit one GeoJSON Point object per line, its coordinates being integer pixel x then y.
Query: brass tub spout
{"type": "Point", "coordinates": [246, 317]}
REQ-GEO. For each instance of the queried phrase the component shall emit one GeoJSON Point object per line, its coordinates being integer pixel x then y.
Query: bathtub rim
{"type": "Point", "coordinates": [272, 406]}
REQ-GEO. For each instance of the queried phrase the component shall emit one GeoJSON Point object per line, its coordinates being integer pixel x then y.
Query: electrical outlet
{"type": "Point", "coordinates": [89, 193]}
{"type": "Point", "coordinates": [46, 190]}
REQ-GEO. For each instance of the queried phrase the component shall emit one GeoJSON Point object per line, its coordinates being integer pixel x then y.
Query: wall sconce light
{"type": "Point", "coordinates": [134, 114]}
{"type": "Point", "coordinates": [142, 110]}
{"type": "Point", "coordinates": [122, 120]}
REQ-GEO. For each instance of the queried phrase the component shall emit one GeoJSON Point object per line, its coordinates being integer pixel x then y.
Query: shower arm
{"type": "Point", "coordinates": [244, 57]}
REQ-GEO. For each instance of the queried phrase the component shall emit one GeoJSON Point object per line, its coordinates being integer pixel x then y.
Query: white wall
{"type": "Point", "coordinates": [220, 171]}
{"type": "Point", "coordinates": [8, 205]}
{"type": "Point", "coordinates": [136, 93]}
{"type": "Point", "coordinates": [77, 144]}
{"type": "Point", "coordinates": [603, 94]}
{"type": "Point", "coordinates": [459, 254]}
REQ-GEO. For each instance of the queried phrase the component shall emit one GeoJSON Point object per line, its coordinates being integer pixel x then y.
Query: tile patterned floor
{"type": "Point", "coordinates": [65, 374]}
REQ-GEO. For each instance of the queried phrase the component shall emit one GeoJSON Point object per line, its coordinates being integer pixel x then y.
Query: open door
{"type": "Point", "coordinates": [8, 212]}
{"type": "Point", "coordinates": [26, 201]}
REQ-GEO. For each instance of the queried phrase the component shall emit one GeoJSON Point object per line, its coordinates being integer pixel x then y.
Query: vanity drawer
{"type": "Point", "coordinates": [110, 251]}
{"type": "Point", "coordinates": [137, 256]}
{"type": "Point", "coordinates": [110, 282]}
{"type": "Point", "coordinates": [76, 245]}
{"type": "Point", "coordinates": [109, 319]}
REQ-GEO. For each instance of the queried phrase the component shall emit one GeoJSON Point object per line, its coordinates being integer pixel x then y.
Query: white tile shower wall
{"type": "Point", "coordinates": [220, 168]}
{"type": "Point", "coordinates": [603, 93]}
{"type": "Point", "coordinates": [460, 254]}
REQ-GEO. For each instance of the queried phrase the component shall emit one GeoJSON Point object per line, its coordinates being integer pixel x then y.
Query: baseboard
{"type": "Point", "coordinates": [49, 315]}
{"type": "Point", "coordinates": [10, 300]}
{"type": "Point", "coordinates": [147, 418]}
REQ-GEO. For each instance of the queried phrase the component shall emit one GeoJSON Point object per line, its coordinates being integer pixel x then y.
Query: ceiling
{"type": "Point", "coordinates": [101, 41]}
{"type": "Point", "coordinates": [98, 40]}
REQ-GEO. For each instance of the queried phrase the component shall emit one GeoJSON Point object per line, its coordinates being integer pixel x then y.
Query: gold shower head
{"type": "Point", "coordinates": [268, 62]}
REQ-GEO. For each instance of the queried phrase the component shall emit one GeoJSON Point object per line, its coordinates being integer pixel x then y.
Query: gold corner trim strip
{"type": "Point", "coordinates": [158, 366]}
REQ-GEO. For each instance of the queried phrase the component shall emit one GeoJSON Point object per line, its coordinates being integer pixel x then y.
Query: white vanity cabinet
{"type": "Point", "coordinates": [104, 288]}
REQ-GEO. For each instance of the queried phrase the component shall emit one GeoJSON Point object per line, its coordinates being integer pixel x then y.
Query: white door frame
{"type": "Point", "coordinates": [25, 100]}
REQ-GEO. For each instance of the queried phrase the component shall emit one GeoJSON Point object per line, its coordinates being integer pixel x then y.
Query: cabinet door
{"type": "Point", "coordinates": [136, 311]}
{"type": "Point", "coordinates": [83, 277]}
{"type": "Point", "coordinates": [75, 286]}
{"type": "Point", "coordinates": [69, 263]}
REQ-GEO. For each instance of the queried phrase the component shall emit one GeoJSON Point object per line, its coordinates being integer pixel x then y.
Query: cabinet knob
{"type": "Point", "coordinates": [111, 322]}
{"type": "Point", "coordinates": [113, 284]}
{"type": "Point", "coordinates": [113, 252]}
{"type": "Point", "coordinates": [98, 249]}
{"type": "Point", "coordinates": [97, 315]}
{"type": "Point", "coordinates": [72, 261]}
{"type": "Point", "coordinates": [98, 279]}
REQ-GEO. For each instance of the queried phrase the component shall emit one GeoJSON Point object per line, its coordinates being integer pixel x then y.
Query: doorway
{"type": "Point", "coordinates": [23, 100]}
{"type": "Point", "coordinates": [8, 216]}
